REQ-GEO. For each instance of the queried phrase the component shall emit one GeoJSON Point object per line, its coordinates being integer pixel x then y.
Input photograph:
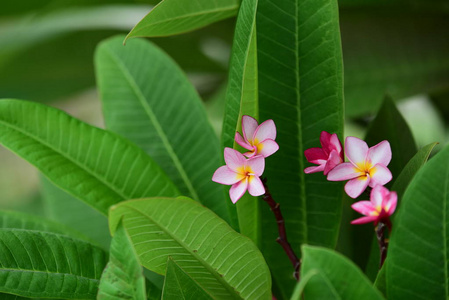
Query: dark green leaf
{"type": "Point", "coordinates": [147, 99]}
{"type": "Point", "coordinates": [418, 253]}
{"type": "Point", "coordinates": [179, 285]}
{"type": "Point", "coordinates": [171, 17]}
{"type": "Point", "coordinates": [340, 278]}
{"type": "Point", "coordinates": [94, 165]}
{"type": "Point", "coordinates": [123, 277]}
{"type": "Point", "coordinates": [223, 262]}
{"type": "Point", "coordinates": [48, 265]}
{"type": "Point", "coordinates": [242, 99]}
{"type": "Point", "coordinates": [300, 88]}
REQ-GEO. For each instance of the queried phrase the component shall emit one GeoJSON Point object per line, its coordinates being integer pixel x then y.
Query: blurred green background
{"type": "Point", "coordinates": [396, 48]}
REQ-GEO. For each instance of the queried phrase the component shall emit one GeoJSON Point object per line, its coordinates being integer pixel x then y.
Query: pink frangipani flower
{"type": "Point", "coordinates": [366, 166]}
{"type": "Point", "coordinates": [327, 157]}
{"type": "Point", "coordinates": [381, 206]}
{"type": "Point", "coordinates": [243, 174]}
{"type": "Point", "coordinates": [258, 139]}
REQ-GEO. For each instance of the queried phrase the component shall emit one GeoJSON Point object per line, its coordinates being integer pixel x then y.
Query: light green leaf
{"type": "Point", "coordinates": [242, 99]}
{"type": "Point", "coordinates": [338, 275]}
{"type": "Point", "coordinates": [300, 88]}
{"type": "Point", "coordinates": [93, 165]}
{"type": "Point", "coordinates": [418, 254]}
{"type": "Point", "coordinates": [66, 209]}
{"type": "Point", "coordinates": [147, 99]}
{"type": "Point", "coordinates": [171, 17]}
{"type": "Point", "coordinates": [305, 278]}
{"type": "Point", "coordinates": [224, 263]}
{"type": "Point", "coordinates": [123, 277]}
{"type": "Point", "coordinates": [48, 265]}
{"type": "Point", "coordinates": [179, 285]}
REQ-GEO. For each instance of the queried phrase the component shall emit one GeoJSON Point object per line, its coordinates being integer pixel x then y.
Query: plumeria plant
{"type": "Point", "coordinates": [156, 205]}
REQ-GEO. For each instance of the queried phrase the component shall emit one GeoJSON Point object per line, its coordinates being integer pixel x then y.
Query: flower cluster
{"type": "Point", "coordinates": [243, 173]}
{"type": "Point", "coordinates": [365, 167]}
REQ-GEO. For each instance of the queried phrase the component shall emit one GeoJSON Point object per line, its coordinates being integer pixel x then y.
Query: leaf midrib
{"type": "Point", "coordinates": [152, 117]}
{"type": "Point", "coordinates": [82, 167]}
{"type": "Point", "coordinates": [48, 272]}
{"type": "Point", "coordinates": [220, 279]}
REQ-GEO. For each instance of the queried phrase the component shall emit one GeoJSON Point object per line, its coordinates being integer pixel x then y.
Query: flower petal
{"type": "Point", "coordinates": [363, 207]}
{"type": "Point", "coordinates": [380, 154]}
{"type": "Point", "coordinates": [335, 144]}
{"type": "Point", "coordinates": [249, 126]}
{"type": "Point", "coordinates": [315, 154]}
{"type": "Point", "coordinates": [314, 169]}
{"type": "Point", "coordinates": [390, 207]}
{"type": "Point", "coordinates": [356, 150]}
{"type": "Point", "coordinates": [224, 175]}
{"type": "Point", "coordinates": [325, 138]}
{"type": "Point", "coordinates": [255, 186]}
{"type": "Point", "coordinates": [239, 140]}
{"type": "Point", "coordinates": [364, 220]}
{"type": "Point", "coordinates": [234, 159]}
{"type": "Point", "coordinates": [267, 147]}
{"type": "Point", "coordinates": [237, 190]}
{"type": "Point", "coordinates": [379, 175]}
{"type": "Point", "coordinates": [378, 195]}
{"type": "Point", "coordinates": [344, 171]}
{"type": "Point", "coordinates": [333, 161]}
{"type": "Point", "coordinates": [356, 186]}
{"type": "Point", "coordinates": [266, 130]}
{"type": "Point", "coordinates": [257, 165]}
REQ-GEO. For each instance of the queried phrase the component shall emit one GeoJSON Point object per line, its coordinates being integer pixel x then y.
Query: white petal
{"type": "Point", "coordinates": [356, 150]}
{"type": "Point", "coordinates": [237, 190]}
{"type": "Point", "coordinates": [234, 160]}
{"type": "Point", "coordinates": [249, 126]}
{"type": "Point", "coordinates": [255, 186]}
{"type": "Point", "coordinates": [224, 175]}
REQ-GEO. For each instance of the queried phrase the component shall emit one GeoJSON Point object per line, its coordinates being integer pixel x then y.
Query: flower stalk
{"type": "Point", "coordinates": [282, 239]}
{"type": "Point", "coordinates": [382, 241]}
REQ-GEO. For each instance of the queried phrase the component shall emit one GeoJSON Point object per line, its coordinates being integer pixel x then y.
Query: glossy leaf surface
{"type": "Point", "coordinates": [223, 262]}
{"type": "Point", "coordinates": [417, 254]}
{"type": "Point", "coordinates": [48, 265]}
{"type": "Point", "coordinates": [94, 165]}
{"type": "Point", "coordinates": [123, 277]}
{"type": "Point", "coordinates": [300, 88]}
{"type": "Point", "coordinates": [340, 278]}
{"type": "Point", "coordinates": [178, 16]}
{"type": "Point", "coordinates": [148, 100]}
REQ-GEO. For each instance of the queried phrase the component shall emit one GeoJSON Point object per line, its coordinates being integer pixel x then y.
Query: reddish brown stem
{"type": "Point", "coordinates": [381, 240]}
{"type": "Point", "coordinates": [282, 239]}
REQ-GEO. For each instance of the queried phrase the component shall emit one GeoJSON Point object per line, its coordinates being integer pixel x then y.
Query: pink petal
{"type": "Point", "coordinates": [335, 144]}
{"type": "Point", "coordinates": [325, 138]}
{"type": "Point", "coordinates": [255, 186]}
{"type": "Point", "coordinates": [390, 207]}
{"type": "Point", "coordinates": [376, 196]}
{"type": "Point", "coordinates": [237, 190]}
{"type": "Point", "coordinates": [315, 154]}
{"type": "Point", "coordinates": [364, 220]}
{"type": "Point", "coordinates": [266, 130]}
{"type": "Point", "coordinates": [250, 154]}
{"type": "Point", "coordinates": [249, 126]}
{"type": "Point", "coordinates": [344, 171]}
{"type": "Point", "coordinates": [267, 147]}
{"type": "Point", "coordinates": [224, 175]}
{"type": "Point", "coordinates": [314, 169]}
{"type": "Point", "coordinates": [356, 150]}
{"type": "Point", "coordinates": [257, 165]}
{"type": "Point", "coordinates": [380, 154]}
{"type": "Point", "coordinates": [356, 186]}
{"type": "Point", "coordinates": [379, 175]}
{"type": "Point", "coordinates": [363, 207]}
{"type": "Point", "coordinates": [333, 161]}
{"type": "Point", "coordinates": [239, 140]}
{"type": "Point", "coordinates": [234, 159]}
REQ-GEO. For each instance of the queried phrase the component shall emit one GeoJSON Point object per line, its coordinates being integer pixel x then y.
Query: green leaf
{"type": "Point", "coordinates": [223, 262]}
{"type": "Point", "coordinates": [418, 253]}
{"type": "Point", "coordinates": [93, 165]}
{"type": "Point", "coordinates": [179, 285]}
{"type": "Point", "coordinates": [123, 277]}
{"type": "Point", "coordinates": [338, 275]}
{"type": "Point", "coordinates": [147, 99]}
{"type": "Point", "coordinates": [300, 88]}
{"type": "Point", "coordinates": [398, 52]}
{"type": "Point", "coordinates": [242, 99]}
{"type": "Point", "coordinates": [66, 209]}
{"type": "Point", "coordinates": [171, 17]}
{"type": "Point", "coordinates": [48, 265]}
{"type": "Point", "coordinates": [399, 186]}
{"type": "Point", "coordinates": [390, 125]}
{"type": "Point", "coordinates": [16, 220]}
